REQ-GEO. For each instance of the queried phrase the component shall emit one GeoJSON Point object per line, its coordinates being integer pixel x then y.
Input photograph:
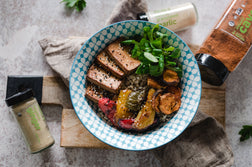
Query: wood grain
{"type": "Point", "coordinates": [55, 92]}
{"type": "Point", "coordinates": [74, 134]}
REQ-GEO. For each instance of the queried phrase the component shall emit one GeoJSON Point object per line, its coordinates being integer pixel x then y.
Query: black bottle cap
{"type": "Point", "coordinates": [19, 97]}
{"type": "Point", "coordinates": [142, 16]}
{"type": "Point", "coordinates": [212, 70]}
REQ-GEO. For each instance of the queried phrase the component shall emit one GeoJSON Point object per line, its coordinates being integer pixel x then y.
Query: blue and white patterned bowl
{"type": "Point", "coordinates": [88, 113]}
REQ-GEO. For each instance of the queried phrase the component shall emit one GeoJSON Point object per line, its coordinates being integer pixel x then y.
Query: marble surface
{"type": "Point", "coordinates": [24, 22]}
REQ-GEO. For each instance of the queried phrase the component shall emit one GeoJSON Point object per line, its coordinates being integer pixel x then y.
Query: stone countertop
{"type": "Point", "coordinates": [23, 23]}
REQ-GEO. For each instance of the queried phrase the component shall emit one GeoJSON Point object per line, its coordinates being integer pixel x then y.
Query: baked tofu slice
{"type": "Point", "coordinates": [107, 63]}
{"type": "Point", "coordinates": [103, 79]}
{"type": "Point", "coordinates": [122, 58]}
{"type": "Point", "coordinates": [94, 93]}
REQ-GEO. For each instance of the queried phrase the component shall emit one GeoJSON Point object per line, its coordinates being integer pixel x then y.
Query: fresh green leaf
{"type": "Point", "coordinates": [157, 70]}
{"type": "Point", "coordinates": [142, 69]}
{"type": "Point", "coordinates": [245, 132]}
{"type": "Point", "coordinates": [145, 45]}
{"type": "Point", "coordinates": [135, 53]}
{"type": "Point", "coordinates": [129, 42]}
{"type": "Point", "coordinates": [157, 52]}
{"type": "Point", "coordinates": [146, 31]}
{"type": "Point", "coordinates": [79, 5]}
{"type": "Point", "coordinates": [161, 35]}
{"type": "Point", "coordinates": [154, 70]}
{"type": "Point", "coordinates": [72, 3]}
{"type": "Point", "coordinates": [150, 57]}
{"type": "Point", "coordinates": [169, 49]}
{"type": "Point", "coordinates": [161, 64]}
{"type": "Point", "coordinates": [171, 63]}
{"type": "Point", "coordinates": [175, 53]}
{"type": "Point", "coordinates": [154, 30]}
{"type": "Point", "coordinates": [148, 49]}
{"type": "Point", "coordinates": [150, 33]}
{"type": "Point", "coordinates": [156, 44]}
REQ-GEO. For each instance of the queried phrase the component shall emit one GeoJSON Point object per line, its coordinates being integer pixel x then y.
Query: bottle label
{"type": "Point", "coordinates": [33, 125]}
{"type": "Point", "coordinates": [175, 18]}
{"type": "Point", "coordinates": [237, 21]}
{"type": "Point", "coordinates": [35, 115]}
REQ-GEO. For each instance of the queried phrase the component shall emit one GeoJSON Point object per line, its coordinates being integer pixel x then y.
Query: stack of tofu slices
{"type": "Point", "coordinates": [107, 72]}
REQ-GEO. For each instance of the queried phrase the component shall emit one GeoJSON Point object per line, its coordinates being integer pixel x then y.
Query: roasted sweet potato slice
{"type": "Point", "coordinates": [169, 103]}
{"type": "Point", "coordinates": [174, 90]}
{"type": "Point", "coordinates": [156, 100]}
{"type": "Point", "coordinates": [151, 82]}
{"type": "Point", "coordinates": [177, 106]}
{"type": "Point", "coordinates": [170, 78]}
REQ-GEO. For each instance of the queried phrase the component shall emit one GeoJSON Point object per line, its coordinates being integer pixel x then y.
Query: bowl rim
{"type": "Point", "coordinates": [115, 146]}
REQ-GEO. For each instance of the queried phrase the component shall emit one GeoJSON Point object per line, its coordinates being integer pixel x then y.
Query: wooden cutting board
{"type": "Point", "coordinates": [74, 134]}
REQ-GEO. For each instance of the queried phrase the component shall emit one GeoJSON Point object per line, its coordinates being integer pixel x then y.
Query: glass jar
{"type": "Point", "coordinates": [175, 18]}
{"type": "Point", "coordinates": [31, 120]}
{"type": "Point", "coordinates": [227, 44]}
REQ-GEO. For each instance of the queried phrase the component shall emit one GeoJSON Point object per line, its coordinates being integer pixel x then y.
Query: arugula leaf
{"type": "Point", "coordinates": [79, 5]}
{"type": "Point", "coordinates": [245, 132]}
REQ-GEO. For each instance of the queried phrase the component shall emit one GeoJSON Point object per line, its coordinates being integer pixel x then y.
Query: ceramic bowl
{"type": "Point", "coordinates": [88, 111]}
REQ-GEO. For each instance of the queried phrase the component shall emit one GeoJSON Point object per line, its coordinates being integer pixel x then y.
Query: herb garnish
{"type": "Point", "coordinates": [79, 5]}
{"type": "Point", "coordinates": [154, 54]}
{"type": "Point", "coordinates": [245, 132]}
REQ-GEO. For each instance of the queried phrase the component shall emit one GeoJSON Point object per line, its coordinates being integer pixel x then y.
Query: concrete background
{"type": "Point", "coordinates": [24, 22]}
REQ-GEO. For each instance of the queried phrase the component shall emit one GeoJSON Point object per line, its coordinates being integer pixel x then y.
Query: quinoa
{"type": "Point", "coordinates": [135, 82]}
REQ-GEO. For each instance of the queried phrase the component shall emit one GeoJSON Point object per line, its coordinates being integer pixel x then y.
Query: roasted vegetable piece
{"type": "Point", "coordinates": [126, 123]}
{"type": "Point", "coordinates": [174, 90]}
{"type": "Point", "coordinates": [135, 99]}
{"type": "Point", "coordinates": [153, 84]}
{"type": "Point", "coordinates": [146, 115]}
{"type": "Point", "coordinates": [122, 112]}
{"type": "Point", "coordinates": [170, 78]}
{"type": "Point", "coordinates": [177, 106]}
{"type": "Point", "coordinates": [156, 100]}
{"type": "Point", "coordinates": [108, 107]}
{"type": "Point", "coordinates": [169, 103]}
